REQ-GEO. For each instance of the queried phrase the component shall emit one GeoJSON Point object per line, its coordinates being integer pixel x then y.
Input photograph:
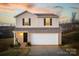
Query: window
{"type": "Point", "coordinates": [47, 21]}
{"type": "Point", "coordinates": [26, 21]}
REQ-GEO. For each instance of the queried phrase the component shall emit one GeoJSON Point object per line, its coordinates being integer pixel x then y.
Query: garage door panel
{"type": "Point", "coordinates": [44, 39]}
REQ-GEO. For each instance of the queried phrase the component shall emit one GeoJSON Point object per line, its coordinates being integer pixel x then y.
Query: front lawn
{"type": "Point", "coordinates": [71, 42]}
{"type": "Point", "coordinates": [15, 52]}
{"type": "Point", "coordinates": [7, 48]}
{"type": "Point", "coordinates": [5, 44]}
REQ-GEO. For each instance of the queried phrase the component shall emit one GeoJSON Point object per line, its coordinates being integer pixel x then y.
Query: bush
{"type": "Point", "coordinates": [4, 47]}
{"type": "Point", "coordinates": [29, 44]}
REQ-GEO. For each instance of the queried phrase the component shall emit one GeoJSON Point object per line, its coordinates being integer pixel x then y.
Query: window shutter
{"type": "Point", "coordinates": [50, 21]}
{"type": "Point", "coordinates": [23, 21]}
{"type": "Point", "coordinates": [44, 21]}
{"type": "Point", "coordinates": [29, 21]}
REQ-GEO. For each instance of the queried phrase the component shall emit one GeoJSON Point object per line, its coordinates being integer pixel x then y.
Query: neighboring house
{"type": "Point", "coordinates": [6, 24]}
{"type": "Point", "coordinates": [6, 31]}
{"type": "Point", "coordinates": [66, 27]}
{"type": "Point", "coordinates": [38, 29]}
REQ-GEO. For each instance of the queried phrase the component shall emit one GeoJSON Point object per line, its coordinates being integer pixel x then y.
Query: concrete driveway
{"type": "Point", "coordinates": [47, 51]}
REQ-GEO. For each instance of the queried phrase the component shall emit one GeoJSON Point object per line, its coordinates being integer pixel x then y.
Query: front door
{"type": "Point", "coordinates": [25, 37]}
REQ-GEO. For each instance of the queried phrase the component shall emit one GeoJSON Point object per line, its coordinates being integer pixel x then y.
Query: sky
{"type": "Point", "coordinates": [64, 10]}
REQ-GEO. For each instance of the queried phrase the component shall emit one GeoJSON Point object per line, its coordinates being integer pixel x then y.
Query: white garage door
{"type": "Point", "coordinates": [44, 39]}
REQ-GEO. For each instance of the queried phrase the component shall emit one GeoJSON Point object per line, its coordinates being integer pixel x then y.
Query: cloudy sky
{"type": "Point", "coordinates": [64, 10]}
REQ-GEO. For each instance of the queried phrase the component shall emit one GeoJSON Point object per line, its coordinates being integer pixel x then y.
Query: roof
{"type": "Point", "coordinates": [47, 15]}
{"type": "Point", "coordinates": [20, 13]}
{"type": "Point", "coordinates": [36, 30]}
{"type": "Point", "coordinates": [40, 14]}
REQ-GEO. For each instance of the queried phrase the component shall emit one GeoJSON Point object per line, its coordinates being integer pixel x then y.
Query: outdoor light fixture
{"type": "Point", "coordinates": [21, 33]}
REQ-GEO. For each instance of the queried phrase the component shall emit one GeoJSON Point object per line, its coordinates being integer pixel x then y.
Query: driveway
{"type": "Point", "coordinates": [47, 51]}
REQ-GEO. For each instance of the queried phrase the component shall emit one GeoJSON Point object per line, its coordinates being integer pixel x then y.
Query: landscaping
{"type": "Point", "coordinates": [15, 52]}
{"type": "Point", "coordinates": [7, 48]}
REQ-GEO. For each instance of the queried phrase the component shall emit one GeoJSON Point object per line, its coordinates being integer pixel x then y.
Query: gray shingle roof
{"type": "Point", "coordinates": [40, 14]}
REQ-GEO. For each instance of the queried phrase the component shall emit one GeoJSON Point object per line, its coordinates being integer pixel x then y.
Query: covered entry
{"type": "Point", "coordinates": [21, 37]}
{"type": "Point", "coordinates": [44, 38]}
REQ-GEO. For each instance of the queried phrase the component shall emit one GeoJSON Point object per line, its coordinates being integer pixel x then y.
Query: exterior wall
{"type": "Point", "coordinates": [35, 21]}
{"type": "Point", "coordinates": [60, 38]}
{"type": "Point", "coordinates": [53, 38]}
{"type": "Point", "coordinates": [40, 31]}
{"type": "Point", "coordinates": [26, 15]}
{"type": "Point", "coordinates": [55, 22]}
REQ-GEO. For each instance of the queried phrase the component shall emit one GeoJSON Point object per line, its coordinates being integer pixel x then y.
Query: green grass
{"type": "Point", "coordinates": [71, 38]}
{"type": "Point", "coordinates": [6, 48]}
{"type": "Point", "coordinates": [6, 41]}
{"type": "Point", "coordinates": [15, 52]}
{"type": "Point", "coordinates": [5, 44]}
{"type": "Point", "coordinates": [71, 42]}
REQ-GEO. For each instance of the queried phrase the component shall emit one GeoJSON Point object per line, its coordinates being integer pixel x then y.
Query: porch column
{"type": "Point", "coordinates": [60, 37]}
{"type": "Point", "coordinates": [14, 41]}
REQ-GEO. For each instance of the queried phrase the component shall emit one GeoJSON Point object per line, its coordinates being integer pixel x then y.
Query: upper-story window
{"type": "Point", "coordinates": [26, 21]}
{"type": "Point", "coordinates": [47, 21]}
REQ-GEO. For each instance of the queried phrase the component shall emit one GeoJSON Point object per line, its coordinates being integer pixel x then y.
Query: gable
{"type": "Point", "coordinates": [21, 13]}
{"type": "Point", "coordinates": [25, 15]}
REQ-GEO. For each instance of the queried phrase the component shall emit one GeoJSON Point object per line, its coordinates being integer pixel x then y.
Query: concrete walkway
{"type": "Point", "coordinates": [47, 51]}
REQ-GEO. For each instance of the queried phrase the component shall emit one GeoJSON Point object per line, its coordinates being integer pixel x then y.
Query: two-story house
{"type": "Point", "coordinates": [37, 28]}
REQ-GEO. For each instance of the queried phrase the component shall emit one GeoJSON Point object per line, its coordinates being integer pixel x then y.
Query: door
{"type": "Point", "coordinates": [44, 38]}
{"type": "Point", "coordinates": [25, 37]}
